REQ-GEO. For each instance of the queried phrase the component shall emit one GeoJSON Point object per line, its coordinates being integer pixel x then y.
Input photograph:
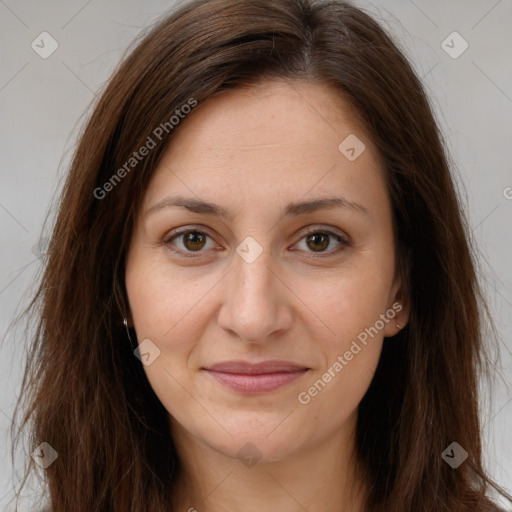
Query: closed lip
{"type": "Point", "coordinates": [262, 368]}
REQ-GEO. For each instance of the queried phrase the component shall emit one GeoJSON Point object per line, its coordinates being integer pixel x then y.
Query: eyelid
{"type": "Point", "coordinates": [186, 229]}
{"type": "Point", "coordinates": [176, 233]}
{"type": "Point", "coordinates": [342, 239]}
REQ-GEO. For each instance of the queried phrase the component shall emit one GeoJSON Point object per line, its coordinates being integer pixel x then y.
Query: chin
{"type": "Point", "coordinates": [269, 441]}
{"type": "Point", "coordinates": [251, 449]}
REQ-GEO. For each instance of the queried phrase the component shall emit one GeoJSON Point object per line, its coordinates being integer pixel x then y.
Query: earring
{"type": "Point", "coordinates": [125, 322]}
{"type": "Point", "coordinates": [398, 326]}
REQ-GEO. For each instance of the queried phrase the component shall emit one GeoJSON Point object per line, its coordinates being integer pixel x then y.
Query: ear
{"type": "Point", "coordinates": [398, 309]}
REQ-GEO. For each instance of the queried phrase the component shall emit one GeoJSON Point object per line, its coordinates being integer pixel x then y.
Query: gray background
{"type": "Point", "coordinates": [42, 101]}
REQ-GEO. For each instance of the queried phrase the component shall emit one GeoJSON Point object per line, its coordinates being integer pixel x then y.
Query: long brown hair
{"type": "Point", "coordinates": [85, 393]}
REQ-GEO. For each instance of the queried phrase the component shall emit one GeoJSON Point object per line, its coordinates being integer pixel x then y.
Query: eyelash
{"type": "Point", "coordinates": [190, 254]}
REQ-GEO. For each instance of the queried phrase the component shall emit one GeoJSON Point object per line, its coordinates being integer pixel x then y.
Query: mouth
{"type": "Point", "coordinates": [255, 378]}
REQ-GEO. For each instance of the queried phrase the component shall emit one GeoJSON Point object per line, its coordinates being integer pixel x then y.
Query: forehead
{"type": "Point", "coordinates": [276, 139]}
{"type": "Point", "coordinates": [271, 115]}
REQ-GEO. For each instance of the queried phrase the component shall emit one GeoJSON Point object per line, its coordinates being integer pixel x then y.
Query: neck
{"type": "Point", "coordinates": [322, 477]}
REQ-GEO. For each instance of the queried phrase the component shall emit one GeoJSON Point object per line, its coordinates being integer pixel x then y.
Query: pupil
{"type": "Point", "coordinates": [192, 238]}
{"type": "Point", "coordinates": [317, 235]}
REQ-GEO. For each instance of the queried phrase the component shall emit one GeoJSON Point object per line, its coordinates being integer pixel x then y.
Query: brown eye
{"type": "Point", "coordinates": [317, 241]}
{"type": "Point", "coordinates": [192, 241]}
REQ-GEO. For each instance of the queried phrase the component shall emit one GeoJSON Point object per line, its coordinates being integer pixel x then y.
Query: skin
{"type": "Point", "coordinates": [252, 152]}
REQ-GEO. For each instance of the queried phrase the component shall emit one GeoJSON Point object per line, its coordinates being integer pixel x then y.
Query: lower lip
{"type": "Point", "coordinates": [252, 384]}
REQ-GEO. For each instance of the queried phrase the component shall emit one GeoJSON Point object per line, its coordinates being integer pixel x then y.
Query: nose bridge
{"type": "Point", "coordinates": [254, 278]}
{"type": "Point", "coordinates": [251, 308]}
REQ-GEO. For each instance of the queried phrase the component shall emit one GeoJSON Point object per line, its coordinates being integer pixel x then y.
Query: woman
{"type": "Point", "coordinates": [259, 280]}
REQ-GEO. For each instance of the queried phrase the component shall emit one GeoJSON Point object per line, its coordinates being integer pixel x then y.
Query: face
{"type": "Point", "coordinates": [294, 269]}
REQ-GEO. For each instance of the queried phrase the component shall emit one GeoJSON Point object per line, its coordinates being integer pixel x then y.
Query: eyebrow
{"type": "Point", "coordinates": [292, 209]}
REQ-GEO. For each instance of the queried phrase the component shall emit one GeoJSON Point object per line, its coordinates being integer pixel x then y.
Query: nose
{"type": "Point", "coordinates": [256, 301]}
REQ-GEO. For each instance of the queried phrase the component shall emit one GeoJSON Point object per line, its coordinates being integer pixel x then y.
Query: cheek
{"type": "Point", "coordinates": [168, 307]}
{"type": "Point", "coordinates": [349, 310]}
{"type": "Point", "coordinates": [160, 296]}
{"type": "Point", "coordinates": [333, 396]}
{"type": "Point", "coordinates": [345, 304]}
{"type": "Point", "coordinates": [162, 309]}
